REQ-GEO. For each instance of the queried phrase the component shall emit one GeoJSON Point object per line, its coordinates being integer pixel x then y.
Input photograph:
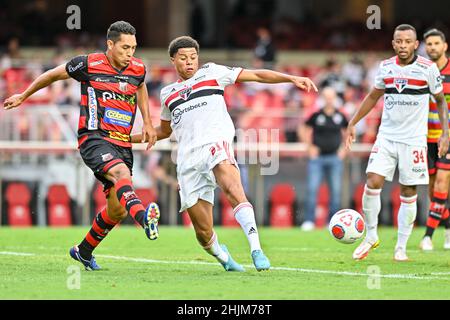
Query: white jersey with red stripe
{"type": "Point", "coordinates": [407, 92]}
{"type": "Point", "coordinates": [196, 107]}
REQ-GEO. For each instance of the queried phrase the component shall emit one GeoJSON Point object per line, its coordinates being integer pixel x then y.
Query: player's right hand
{"type": "Point", "coordinates": [443, 145]}
{"type": "Point", "coordinates": [13, 101]}
{"type": "Point", "coordinates": [351, 136]}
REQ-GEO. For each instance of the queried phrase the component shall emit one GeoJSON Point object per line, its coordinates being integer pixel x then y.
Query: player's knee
{"type": "Point", "coordinates": [119, 172]}
{"type": "Point", "coordinates": [374, 182]}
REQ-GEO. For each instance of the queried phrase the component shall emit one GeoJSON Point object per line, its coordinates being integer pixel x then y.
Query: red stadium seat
{"type": "Point", "coordinates": [322, 207]}
{"type": "Point", "coordinates": [357, 197]}
{"type": "Point", "coordinates": [186, 219]}
{"type": "Point", "coordinates": [282, 199]}
{"type": "Point", "coordinates": [228, 219]}
{"type": "Point", "coordinates": [59, 209]}
{"type": "Point", "coordinates": [146, 195]}
{"type": "Point", "coordinates": [395, 203]}
{"type": "Point", "coordinates": [18, 197]}
{"type": "Point", "coordinates": [99, 197]}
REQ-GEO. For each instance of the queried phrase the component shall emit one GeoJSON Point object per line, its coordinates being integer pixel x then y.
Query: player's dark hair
{"type": "Point", "coordinates": [434, 32]}
{"type": "Point", "coordinates": [404, 27]}
{"type": "Point", "coordinates": [182, 42]}
{"type": "Point", "coordinates": [118, 28]}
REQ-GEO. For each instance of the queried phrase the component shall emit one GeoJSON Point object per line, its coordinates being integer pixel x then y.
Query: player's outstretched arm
{"type": "Point", "coordinates": [162, 132]}
{"type": "Point", "coordinates": [269, 76]}
{"type": "Point", "coordinates": [44, 80]}
{"type": "Point", "coordinates": [368, 104]}
{"type": "Point", "coordinates": [443, 118]}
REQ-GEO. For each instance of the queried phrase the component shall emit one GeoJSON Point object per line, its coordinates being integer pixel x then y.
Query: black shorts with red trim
{"type": "Point", "coordinates": [100, 156]}
{"type": "Point", "coordinates": [434, 162]}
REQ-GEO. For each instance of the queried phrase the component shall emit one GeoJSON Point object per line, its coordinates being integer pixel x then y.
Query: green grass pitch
{"type": "Point", "coordinates": [35, 264]}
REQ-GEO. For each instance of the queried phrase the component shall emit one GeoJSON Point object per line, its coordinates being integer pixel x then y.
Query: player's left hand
{"type": "Point", "coordinates": [304, 83]}
{"type": "Point", "coordinates": [149, 135]}
{"type": "Point", "coordinates": [13, 101]}
{"type": "Point", "coordinates": [443, 145]}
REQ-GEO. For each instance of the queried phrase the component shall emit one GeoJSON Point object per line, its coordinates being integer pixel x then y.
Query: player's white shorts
{"type": "Point", "coordinates": [411, 160]}
{"type": "Point", "coordinates": [195, 175]}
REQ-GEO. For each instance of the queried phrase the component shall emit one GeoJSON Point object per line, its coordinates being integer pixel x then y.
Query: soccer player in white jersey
{"type": "Point", "coordinates": [194, 109]}
{"type": "Point", "coordinates": [406, 81]}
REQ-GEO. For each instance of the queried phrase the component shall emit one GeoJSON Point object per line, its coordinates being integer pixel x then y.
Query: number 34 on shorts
{"type": "Point", "coordinates": [386, 155]}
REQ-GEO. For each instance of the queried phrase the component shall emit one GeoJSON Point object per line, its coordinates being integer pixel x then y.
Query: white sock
{"type": "Point", "coordinates": [406, 217]}
{"type": "Point", "coordinates": [213, 248]}
{"type": "Point", "coordinates": [371, 208]}
{"type": "Point", "coordinates": [245, 215]}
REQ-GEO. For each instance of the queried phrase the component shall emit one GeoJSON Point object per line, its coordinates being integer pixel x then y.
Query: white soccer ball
{"type": "Point", "coordinates": [347, 226]}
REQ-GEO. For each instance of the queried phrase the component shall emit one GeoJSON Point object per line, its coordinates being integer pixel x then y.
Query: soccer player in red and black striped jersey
{"type": "Point", "coordinates": [112, 87]}
{"type": "Point", "coordinates": [438, 168]}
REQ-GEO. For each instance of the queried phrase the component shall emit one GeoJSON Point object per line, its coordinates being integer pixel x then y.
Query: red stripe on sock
{"type": "Point", "coordinates": [106, 218]}
{"type": "Point", "coordinates": [123, 182]}
{"type": "Point", "coordinates": [408, 200]}
{"type": "Point", "coordinates": [136, 208]}
{"type": "Point", "coordinates": [440, 195]}
{"type": "Point", "coordinates": [432, 222]}
{"type": "Point", "coordinates": [210, 242]}
{"type": "Point", "coordinates": [242, 205]}
{"type": "Point", "coordinates": [91, 240]}
{"type": "Point", "coordinates": [97, 228]}
{"type": "Point", "coordinates": [446, 214]}
{"type": "Point", "coordinates": [372, 192]}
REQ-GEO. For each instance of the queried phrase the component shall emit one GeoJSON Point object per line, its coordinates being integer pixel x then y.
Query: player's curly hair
{"type": "Point", "coordinates": [182, 42]}
{"type": "Point", "coordinates": [118, 28]}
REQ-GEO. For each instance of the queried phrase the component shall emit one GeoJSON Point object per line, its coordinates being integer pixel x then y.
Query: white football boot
{"type": "Point", "coordinates": [400, 255]}
{"type": "Point", "coordinates": [447, 239]}
{"type": "Point", "coordinates": [426, 244]}
{"type": "Point", "coordinates": [362, 251]}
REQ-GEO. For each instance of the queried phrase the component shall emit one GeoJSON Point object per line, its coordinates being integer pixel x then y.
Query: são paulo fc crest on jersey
{"type": "Point", "coordinates": [400, 84]}
{"type": "Point", "coordinates": [185, 92]}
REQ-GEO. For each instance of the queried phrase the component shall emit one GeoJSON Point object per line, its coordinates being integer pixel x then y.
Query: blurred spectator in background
{"type": "Point", "coordinates": [331, 76]}
{"type": "Point", "coordinates": [265, 51]}
{"type": "Point", "coordinates": [353, 72]}
{"type": "Point", "coordinates": [12, 54]}
{"type": "Point", "coordinates": [323, 133]}
{"type": "Point", "coordinates": [197, 21]}
{"type": "Point", "coordinates": [154, 81]}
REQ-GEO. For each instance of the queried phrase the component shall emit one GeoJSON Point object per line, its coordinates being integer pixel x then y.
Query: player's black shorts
{"type": "Point", "coordinates": [100, 156]}
{"type": "Point", "coordinates": [434, 162]}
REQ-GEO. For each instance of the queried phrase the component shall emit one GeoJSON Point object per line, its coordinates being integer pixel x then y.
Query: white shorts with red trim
{"type": "Point", "coordinates": [195, 175]}
{"type": "Point", "coordinates": [411, 160]}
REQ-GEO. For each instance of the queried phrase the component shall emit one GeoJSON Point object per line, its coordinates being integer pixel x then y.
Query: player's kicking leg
{"type": "Point", "coordinates": [103, 223]}
{"type": "Point", "coordinates": [371, 208]}
{"type": "Point", "coordinates": [201, 215]}
{"type": "Point", "coordinates": [148, 218]}
{"type": "Point", "coordinates": [229, 180]}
